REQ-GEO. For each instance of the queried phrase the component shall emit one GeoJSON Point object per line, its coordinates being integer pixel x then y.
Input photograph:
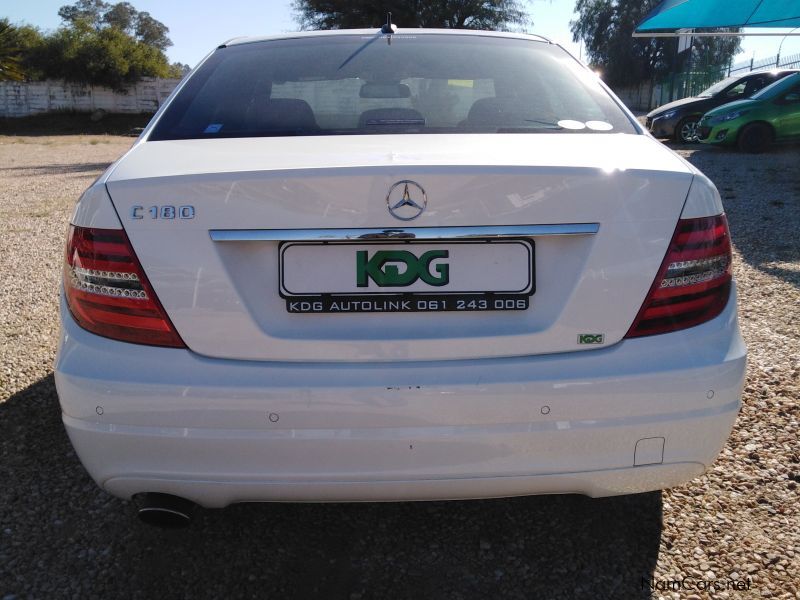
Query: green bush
{"type": "Point", "coordinates": [99, 44]}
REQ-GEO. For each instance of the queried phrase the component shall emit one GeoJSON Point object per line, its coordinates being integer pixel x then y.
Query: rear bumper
{"type": "Point", "coordinates": [644, 414]}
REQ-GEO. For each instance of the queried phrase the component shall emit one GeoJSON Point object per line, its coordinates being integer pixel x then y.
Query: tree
{"type": "Point", "coordinates": [121, 16]}
{"type": "Point", "coordinates": [90, 11]}
{"type": "Point", "coordinates": [18, 45]}
{"type": "Point", "coordinates": [606, 28]}
{"type": "Point", "coordinates": [107, 56]}
{"type": "Point", "coordinates": [11, 63]}
{"type": "Point", "coordinates": [460, 14]}
{"type": "Point", "coordinates": [152, 32]}
{"type": "Point", "coordinates": [179, 70]}
{"type": "Point", "coordinates": [99, 43]}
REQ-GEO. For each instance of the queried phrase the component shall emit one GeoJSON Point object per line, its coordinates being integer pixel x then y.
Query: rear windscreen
{"type": "Point", "coordinates": [404, 83]}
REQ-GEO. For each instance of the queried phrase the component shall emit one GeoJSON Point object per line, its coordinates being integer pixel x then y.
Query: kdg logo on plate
{"type": "Point", "coordinates": [384, 268]}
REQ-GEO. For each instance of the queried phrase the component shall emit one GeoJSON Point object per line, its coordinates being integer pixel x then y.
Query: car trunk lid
{"type": "Point", "coordinates": [596, 213]}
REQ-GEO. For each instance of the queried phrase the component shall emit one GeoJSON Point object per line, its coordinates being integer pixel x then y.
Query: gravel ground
{"type": "Point", "coordinates": [60, 536]}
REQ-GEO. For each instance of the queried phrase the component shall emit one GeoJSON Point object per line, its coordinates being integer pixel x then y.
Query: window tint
{"type": "Point", "coordinates": [364, 84]}
{"type": "Point", "coordinates": [777, 87]}
{"type": "Point", "coordinates": [792, 96]}
{"type": "Point", "coordinates": [339, 103]}
{"type": "Point", "coordinates": [717, 87]}
{"type": "Point", "coordinates": [736, 90]}
{"type": "Point", "coordinates": [754, 84]}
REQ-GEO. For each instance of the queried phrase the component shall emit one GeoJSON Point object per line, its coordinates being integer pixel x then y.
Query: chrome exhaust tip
{"type": "Point", "coordinates": [165, 510]}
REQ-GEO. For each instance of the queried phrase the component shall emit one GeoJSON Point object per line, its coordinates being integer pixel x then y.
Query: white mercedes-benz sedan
{"type": "Point", "coordinates": [420, 264]}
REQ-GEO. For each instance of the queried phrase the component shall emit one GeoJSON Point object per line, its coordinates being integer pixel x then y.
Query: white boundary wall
{"type": "Point", "coordinates": [640, 97]}
{"type": "Point", "coordinates": [23, 99]}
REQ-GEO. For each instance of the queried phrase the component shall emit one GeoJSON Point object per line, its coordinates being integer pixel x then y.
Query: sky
{"type": "Point", "coordinates": [198, 26]}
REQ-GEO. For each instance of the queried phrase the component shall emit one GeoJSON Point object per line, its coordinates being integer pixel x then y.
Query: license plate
{"type": "Point", "coordinates": [475, 275]}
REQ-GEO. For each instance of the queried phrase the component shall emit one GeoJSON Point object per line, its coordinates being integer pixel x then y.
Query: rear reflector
{"type": "Point", "coordinates": [694, 282]}
{"type": "Point", "coordinates": [108, 293]}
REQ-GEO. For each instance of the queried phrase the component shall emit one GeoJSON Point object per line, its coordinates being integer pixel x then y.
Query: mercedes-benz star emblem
{"type": "Point", "coordinates": [406, 200]}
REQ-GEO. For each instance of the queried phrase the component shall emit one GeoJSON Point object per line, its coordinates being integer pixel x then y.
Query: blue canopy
{"type": "Point", "coordinates": [673, 15]}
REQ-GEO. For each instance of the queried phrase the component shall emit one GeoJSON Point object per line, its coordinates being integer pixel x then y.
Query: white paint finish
{"type": "Point", "coordinates": [649, 451]}
{"type": "Point", "coordinates": [94, 209]}
{"type": "Point", "coordinates": [30, 98]}
{"type": "Point", "coordinates": [471, 267]}
{"type": "Point", "coordinates": [607, 152]}
{"type": "Point", "coordinates": [422, 406]}
{"type": "Point", "coordinates": [372, 33]}
{"type": "Point", "coordinates": [602, 384]}
{"type": "Point", "coordinates": [174, 419]}
{"type": "Point", "coordinates": [223, 297]}
{"type": "Point", "coordinates": [703, 199]}
{"type": "Point", "coordinates": [390, 453]}
{"type": "Point", "coordinates": [218, 494]}
{"type": "Point", "coordinates": [255, 312]}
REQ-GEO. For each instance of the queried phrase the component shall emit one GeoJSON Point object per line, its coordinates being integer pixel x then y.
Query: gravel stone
{"type": "Point", "coordinates": [62, 537]}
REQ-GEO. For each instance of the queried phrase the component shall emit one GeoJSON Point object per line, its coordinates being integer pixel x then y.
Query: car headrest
{"type": "Point", "coordinates": [285, 113]}
{"type": "Point", "coordinates": [492, 112]}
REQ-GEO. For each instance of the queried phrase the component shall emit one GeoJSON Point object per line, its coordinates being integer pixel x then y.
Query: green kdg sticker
{"type": "Point", "coordinates": [590, 338]}
{"type": "Point", "coordinates": [384, 268]}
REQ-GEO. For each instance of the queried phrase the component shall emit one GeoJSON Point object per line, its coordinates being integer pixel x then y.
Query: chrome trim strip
{"type": "Point", "coordinates": [401, 233]}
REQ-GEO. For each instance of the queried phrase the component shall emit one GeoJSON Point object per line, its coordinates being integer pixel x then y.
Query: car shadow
{"type": "Point", "coordinates": [60, 530]}
{"type": "Point", "coordinates": [74, 123]}
{"type": "Point", "coordinates": [62, 169]}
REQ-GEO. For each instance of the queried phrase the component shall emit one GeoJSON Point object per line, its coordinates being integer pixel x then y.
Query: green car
{"type": "Point", "coordinates": [770, 115]}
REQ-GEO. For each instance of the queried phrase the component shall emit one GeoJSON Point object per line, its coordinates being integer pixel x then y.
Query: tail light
{"type": "Point", "coordinates": [108, 293]}
{"type": "Point", "coordinates": [694, 282]}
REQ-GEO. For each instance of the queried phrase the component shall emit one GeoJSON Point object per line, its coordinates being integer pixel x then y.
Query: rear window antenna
{"type": "Point", "coordinates": [389, 27]}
